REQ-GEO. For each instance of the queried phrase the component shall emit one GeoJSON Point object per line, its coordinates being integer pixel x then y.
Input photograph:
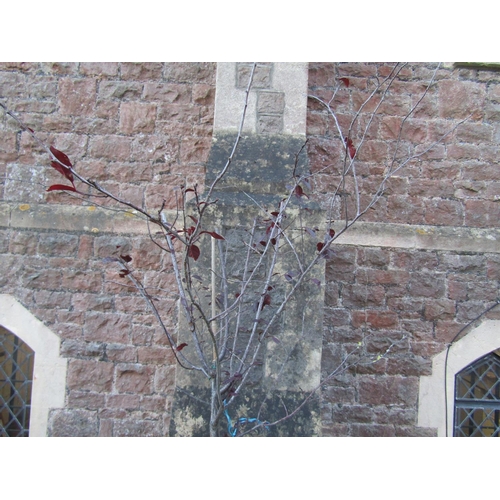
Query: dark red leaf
{"type": "Point", "coordinates": [213, 234]}
{"type": "Point", "coordinates": [267, 300]}
{"type": "Point", "coordinates": [320, 246]}
{"type": "Point", "coordinates": [61, 187]}
{"type": "Point", "coordinates": [123, 273]}
{"type": "Point", "coordinates": [331, 233]}
{"type": "Point", "coordinates": [345, 81]}
{"type": "Point", "coordinates": [299, 191]}
{"type": "Point", "coordinates": [61, 156]}
{"type": "Point", "coordinates": [126, 258]}
{"type": "Point", "coordinates": [181, 346]}
{"type": "Point", "coordinates": [194, 252]}
{"type": "Point", "coordinates": [62, 170]}
{"type": "Point", "coordinates": [275, 214]}
{"type": "Point", "coordinates": [273, 241]}
{"type": "Point", "coordinates": [31, 130]}
{"type": "Point", "coordinates": [350, 147]}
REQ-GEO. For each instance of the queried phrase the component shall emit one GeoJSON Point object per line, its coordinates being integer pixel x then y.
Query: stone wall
{"type": "Point", "coordinates": [141, 129]}
{"type": "Point", "coordinates": [404, 292]}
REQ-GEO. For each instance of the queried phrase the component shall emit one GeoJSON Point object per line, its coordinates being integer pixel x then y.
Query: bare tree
{"type": "Point", "coordinates": [232, 314]}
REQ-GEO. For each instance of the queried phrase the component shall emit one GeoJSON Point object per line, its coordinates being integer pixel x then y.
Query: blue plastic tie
{"type": "Point", "coordinates": [242, 420]}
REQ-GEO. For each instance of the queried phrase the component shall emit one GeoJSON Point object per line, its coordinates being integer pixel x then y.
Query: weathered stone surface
{"type": "Point", "coordinates": [73, 423]}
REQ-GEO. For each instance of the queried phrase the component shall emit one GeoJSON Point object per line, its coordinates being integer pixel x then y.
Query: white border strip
{"type": "Point", "coordinates": [432, 408]}
{"type": "Point", "coordinates": [49, 374]}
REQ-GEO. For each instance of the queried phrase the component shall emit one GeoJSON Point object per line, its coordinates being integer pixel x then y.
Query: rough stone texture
{"type": "Point", "coordinates": [144, 128]}
{"type": "Point", "coordinates": [136, 128]}
{"type": "Point", "coordinates": [413, 301]}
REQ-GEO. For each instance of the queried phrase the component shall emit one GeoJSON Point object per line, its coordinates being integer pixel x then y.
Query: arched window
{"type": "Point", "coordinates": [477, 398]}
{"type": "Point", "coordinates": [469, 368]}
{"type": "Point", "coordinates": [47, 367]}
{"type": "Point", "coordinates": [16, 381]}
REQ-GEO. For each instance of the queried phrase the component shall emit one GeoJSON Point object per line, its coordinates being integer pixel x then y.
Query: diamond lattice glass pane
{"type": "Point", "coordinates": [477, 398]}
{"type": "Point", "coordinates": [16, 380]}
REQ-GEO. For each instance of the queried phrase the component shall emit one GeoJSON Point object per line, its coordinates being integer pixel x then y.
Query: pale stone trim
{"type": "Point", "coordinates": [290, 78]}
{"type": "Point", "coordinates": [431, 408]}
{"type": "Point", "coordinates": [96, 220]}
{"type": "Point", "coordinates": [49, 373]}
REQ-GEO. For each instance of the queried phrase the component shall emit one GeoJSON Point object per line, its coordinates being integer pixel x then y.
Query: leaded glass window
{"type": "Point", "coordinates": [477, 398]}
{"type": "Point", "coordinates": [16, 380]}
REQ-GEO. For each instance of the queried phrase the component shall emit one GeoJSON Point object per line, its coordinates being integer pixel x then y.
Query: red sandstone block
{"type": "Point", "coordinates": [96, 376]}
{"type": "Point", "coordinates": [120, 90]}
{"type": "Point", "coordinates": [481, 213]}
{"type": "Point", "coordinates": [107, 327]}
{"type": "Point", "coordinates": [179, 113]}
{"type": "Point", "coordinates": [194, 149]}
{"type": "Point", "coordinates": [141, 71]}
{"type": "Point", "coordinates": [132, 194]}
{"type": "Point", "coordinates": [204, 94]}
{"type": "Point", "coordinates": [24, 243]}
{"type": "Point", "coordinates": [167, 92]}
{"type": "Point", "coordinates": [190, 72]}
{"type": "Point", "coordinates": [459, 99]}
{"type": "Point", "coordinates": [73, 423]}
{"type": "Point", "coordinates": [92, 301]}
{"type": "Point", "coordinates": [154, 403]}
{"type": "Point", "coordinates": [377, 390]}
{"type": "Point", "coordinates": [205, 127]}
{"type": "Point", "coordinates": [12, 85]}
{"type": "Point", "coordinates": [475, 132]}
{"type": "Point", "coordinates": [48, 279]}
{"type": "Point", "coordinates": [154, 196]}
{"type": "Point", "coordinates": [121, 353]}
{"type": "Point", "coordinates": [444, 212]}
{"type": "Point", "coordinates": [113, 147]}
{"type": "Point", "coordinates": [84, 399]}
{"type": "Point", "coordinates": [382, 277]}
{"type": "Point", "coordinates": [364, 100]}
{"type": "Point", "coordinates": [124, 401]}
{"type": "Point", "coordinates": [317, 124]}
{"type": "Point", "coordinates": [357, 296]}
{"type": "Point", "coordinates": [157, 355]}
{"type": "Point", "coordinates": [60, 68]}
{"type": "Point", "coordinates": [82, 280]}
{"type": "Point", "coordinates": [98, 68]}
{"type": "Point", "coordinates": [133, 378]}
{"type": "Point", "coordinates": [52, 300]}
{"type": "Point", "coordinates": [372, 430]}
{"type": "Point", "coordinates": [446, 330]}
{"type": "Point", "coordinates": [375, 319]}
{"type": "Point", "coordinates": [77, 96]}
{"type": "Point", "coordinates": [137, 117]}
{"type": "Point", "coordinates": [105, 427]}
{"type": "Point", "coordinates": [321, 75]}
